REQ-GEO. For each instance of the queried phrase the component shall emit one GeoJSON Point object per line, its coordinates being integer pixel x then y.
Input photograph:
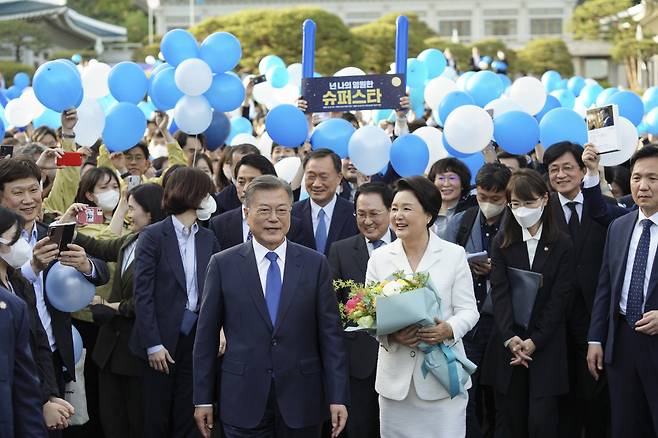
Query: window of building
{"type": "Point", "coordinates": [546, 26]}
{"type": "Point", "coordinates": [500, 27]}
{"type": "Point", "coordinates": [463, 27]}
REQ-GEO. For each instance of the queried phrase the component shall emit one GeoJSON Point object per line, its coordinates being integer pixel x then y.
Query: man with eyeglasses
{"type": "Point", "coordinates": [587, 406]}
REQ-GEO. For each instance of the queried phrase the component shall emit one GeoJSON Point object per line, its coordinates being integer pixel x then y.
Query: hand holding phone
{"type": "Point", "coordinates": [61, 234]}
{"type": "Point", "coordinates": [90, 215]}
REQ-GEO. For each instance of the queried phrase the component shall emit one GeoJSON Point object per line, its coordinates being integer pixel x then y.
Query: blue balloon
{"type": "Point", "coordinates": [551, 103]}
{"type": "Point", "coordinates": [287, 126]}
{"type": "Point", "coordinates": [606, 94]}
{"type": "Point", "coordinates": [68, 290]}
{"type": "Point", "coordinates": [474, 162]}
{"type": "Point", "coordinates": [409, 155]}
{"type": "Point", "coordinates": [589, 93]}
{"type": "Point", "coordinates": [417, 100]}
{"type": "Point", "coordinates": [333, 134]}
{"type": "Point", "coordinates": [147, 108]}
{"type": "Point", "coordinates": [630, 106]}
{"type": "Point", "coordinates": [178, 45]}
{"type": "Point", "coordinates": [486, 59]}
{"type": "Point", "coordinates": [562, 124]}
{"type": "Point", "coordinates": [563, 84]}
{"type": "Point", "coordinates": [452, 101]}
{"type": "Point", "coordinates": [505, 80]}
{"type": "Point", "coordinates": [381, 114]}
{"type": "Point", "coordinates": [499, 66]}
{"type": "Point", "coordinates": [240, 125]}
{"type": "Point", "coordinates": [435, 62]}
{"type": "Point", "coordinates": [517, 132]}
{"type": "Point", "coordinates": [484, 86]}
{"type": "Point", "coordinates": [77, 344]}
{"type": "Point", "coordinates": [76, 58]}
{"type": "Point", "coordinates": [48, 118]}
{"type": "Point", "coordinates": [13, 92]}
{"type": "Point", "coordinates": [643, 128]}
{"type": "Point", "coordinates": [21, 80]}
{"type": "Point", "coordinates": [173, 127]}
{"type": "Point", "coordinates": [124, 127]}
{"type": "Point", "coordinates": [416, 73]}
{"type": "Point", "coordinates": [3, 98]}
{"type": "Point", "coordinates": [226, 92]}
{"type": "Point", "coordinates": [127, 82]}
{"type": "Point", "coordinates": [218, 131]}
{"type": "Point", "coordinates": [277, 76]}
{"type": "Point", "coordinates": [106, 102]}
{"type": "Point", "coordinates": [221, 51]}
{"type": "Point", "coordinates": [551, 80]}
{"type": "Point", "coordinates": [268, 62]}
{"type": "Point", "coordinates": [566, 98]}
{"type": "Point", "coordinates": [650, 99]}
{"type": "Point", "coordinates": [2, 124]}
{"type": "Point", "coordinates": [2, 118]}
{"type": "Point", "coordinates": [575, 85]}
{"type": "Point", "coordinates": [452, 151]}
{"type": "Point", "coordinates": [164, 93]}
{"type": "Point", "coordinates": [158, 69]}
{"type": "Point", "coordinates": [651, 121]}
{"type": "Point", "coordinates": [57, 85]}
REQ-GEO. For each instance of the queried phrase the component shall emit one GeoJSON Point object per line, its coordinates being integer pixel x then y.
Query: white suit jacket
{"type": "Point", "coordinates": [446, 265]}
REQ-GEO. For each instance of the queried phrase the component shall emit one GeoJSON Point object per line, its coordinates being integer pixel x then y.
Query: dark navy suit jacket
{"type": "Point", "coordinates": [21, 414]}
{"type": "Point", "coordinates": [605, 313]}
{"type": "Point", "coordinates": [302, 353]}
{"type": "Point", "coordinates": [343, 223]}
{"type": "Point", "coordinates": [160, 293]}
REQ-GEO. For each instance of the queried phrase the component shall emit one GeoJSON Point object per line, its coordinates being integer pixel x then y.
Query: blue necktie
{"type": "Point", "coordinates": [321, 233]}
{"type": "Point", "coordinates": [377, 243]}
{"type": "Point", "coordinates": [273, 286]}
{"type": "Point", "coordinates": [635, 301]}
{"type": "Point", "coordinates": [249, 236]}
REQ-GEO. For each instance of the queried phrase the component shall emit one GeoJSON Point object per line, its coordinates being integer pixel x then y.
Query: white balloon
{"type": "Point", "coordinates": [287, 168]}
{"type": "Point", "coordinates": [450, 73]}
{"type": "Point", "coordinates": [193, 76]}
{"type": "Point", "coordinates": [529, 93]}
{"type": "Point", "coordinates": [263, 93]}
{"type": "Point", "coordinates": [434, 140]}
{"type": "Point", "coordinates": [30, 101]}
{"type": "Point", "coordinates": [295, 74]}
{"type": "Point", "coordinates": [244, 139]}
{"type": "Point", "coordinates": [288, 94]}
{"type": "Point", "coordinates": [469, 129]}
{"type": "Point", "coordinates": [17, 114]}
{"type": "Point", "coordinates": [350, 71]}
{"type": "Point", "coordinates": [193, 114]}
{"type": "Point", "coordinates": [94, 80]}
{"type": "Point", "coordinates": [369, 149]}
{"type": "Point", "coordinates": [628, 143]}
{"type": "Point", "coordinates": [461, 81]}
{"type": "Point", "coordinates": [436, 90]}
{"type": "Point", "coordinates": [502, 105]}
{"type": "Point", "coordinates": [91, 121]}
{"type": "Point", "coordinates": [264, 145]}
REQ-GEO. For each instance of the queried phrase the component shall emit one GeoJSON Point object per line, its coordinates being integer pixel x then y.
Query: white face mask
{"type": "Point", "coordinates": [527, 217]}
{"type": "Point", "coordinates": [206, 209]}
{"type": "Point", "coordinates": [158, 151]}
{"type": "Point", "coordinates": [490, 209]}
{"type": "Point", "coordinates": [19, 253]}
{"type": "Point", "coordinates": [108, 199]}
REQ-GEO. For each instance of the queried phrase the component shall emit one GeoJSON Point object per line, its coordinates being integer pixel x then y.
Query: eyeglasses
{"type": "Point", "coordinates": [363, 215]}
{"type": "Point", "coordinates": [266, 212]}
{"type": "Point", "coordinates": [518, 204]}
{"type": "Point", "coordinates": [135, 158]}
{"type": "Point", "coordinates": [567, 168]}
{"type": "Point", "coordinates": [452, 179]}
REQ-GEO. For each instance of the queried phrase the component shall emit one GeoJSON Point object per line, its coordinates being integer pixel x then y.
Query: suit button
{"type": "Point", "coordinates": [274, 342]}
{"type": "Point", "coordinates": [412, 354]}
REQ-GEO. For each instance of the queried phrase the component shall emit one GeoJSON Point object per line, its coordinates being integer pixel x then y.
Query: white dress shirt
{"type": "Point", "coordinates": [579, 200]}
{"type": "Point", "coordinates": [531, 242]}
{"type": "Point", "coordinates": [328, 212]}
{"type": "Point", "coordinates": [245, 226]}
{"type": "Point", "coordinates": [632, 248]}
{"type": "Point", "coordinates": [187, 248]}
{"type": "Point", "coordinates": [128, 256]}
{"type": "Point", "coordinates": [263, 263]}
{"type": "Point", "coordinates": [386, 238]}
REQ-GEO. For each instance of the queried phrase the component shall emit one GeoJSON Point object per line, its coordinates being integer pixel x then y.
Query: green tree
{"type": "Point", "coordinates": [378, 39]}
{"type": "Point", "coordinates": [632, 53]}
{"type": "Point", "coordinates": [21, 34]}
{"type": "Point", "coordinates": [279, 32]}
{"type": "Point", "coordinates": [120, 12]}
{"type": "Point", "coordinates": [599, 19]}
{"type": "Point", "coordinates": [544, 54]}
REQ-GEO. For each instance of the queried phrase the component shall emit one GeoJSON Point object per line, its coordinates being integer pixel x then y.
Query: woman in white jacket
{"type": "Point", "coordinates": [412, 405]}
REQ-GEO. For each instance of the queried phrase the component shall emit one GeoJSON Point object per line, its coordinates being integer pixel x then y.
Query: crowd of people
{"type": "Point", "coordinates": [215, 314]}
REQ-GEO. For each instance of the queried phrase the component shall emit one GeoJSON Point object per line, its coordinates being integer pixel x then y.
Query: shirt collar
{"type": "Point", "coordinates": [386, 238]}
{"type": "Point", "coordinates": [181, 230]}
{"type": "Point", "coordinates": [260, 251]}
{"type": "Point", "coordinates": [328, 209]}
{"type": "Point", "coordinates": [653, 218]}
{"type": "Point", "coordinates": [33, 236]}
{"type": "Point", "coordinates": [564, 200]}
{"type": "Point", "coordinates": [527, 236]}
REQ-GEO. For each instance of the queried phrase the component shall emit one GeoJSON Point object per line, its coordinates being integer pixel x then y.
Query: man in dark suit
{"type": "Point", "coordinates": [228, 198]}
{"type": "Point", "coordinates": [284, 369]}
{"type": "Point", "coordinates": [21, 415]}
{"type": "Point", "coordinates": [586, 407]}
{"type": "Point", "coordinates": [349, 259]}
{"type": "Point", "coordinates": [325, 217]}
{"type": "Point", "coordinates": [623, 331]}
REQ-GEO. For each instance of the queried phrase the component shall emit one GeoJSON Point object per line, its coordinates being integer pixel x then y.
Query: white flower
{"type": "Point", "coordinates": [392, 288]}
{"type": "Point", "coordinates": [366, 321]}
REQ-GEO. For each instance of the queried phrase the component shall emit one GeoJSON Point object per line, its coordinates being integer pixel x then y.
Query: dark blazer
{"type": "Point", "coordinates": [343, 222]}
{"type": "Point", "coordinates": [228, 228]}
{"type": "Point", "coordinates": [111, 350]}
{"type": "Point", "coordinates": [605, 313]}
{"type": "Point", "coordinates": [548, 372]}
{"type": "Point", "coordinates": [227, 200]}
{"type": "Point", "coordinates": [303, 352]}
{"type": "Point", "coordinates": [21, 415]}
{"type": "Point", "coordinates": [601, 209]}
{"type": "Point", "coordinates": [160, 292]}
{"type": "Point", "coordinates": [61, 321]}
{"type": "Point", "coordinates": [39, 342]}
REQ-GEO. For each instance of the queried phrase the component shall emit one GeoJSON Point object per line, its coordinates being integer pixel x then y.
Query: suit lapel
{"type": "Point", "coordinates": [360, 254]}
{"type": "Point", "coordinates": [307, 223]}
{"type": "Point", "coordinates": [625, 239]}
{"type": "Point", "coordinates": [235, 223]}
{"type": "Point", "coordinates": [541, 254]}
{"type": "Point", "coordinates": [338, 218]}
{"type": "Point", "coordinates": [203, 247]}
{"type": "Point", "coordinates": [126, 277]}
{"type": "Point", "coordinates": [291, 273]}
{"type": "Point", "coordinates": [518, 254]}
{"type": "Point", "coordinates": [251, 279]}
{"type": "Point", "coordinates": [172, 252]}
{"type": "Point", "coordinates": [585, 226]}
{"type": "Point", "coordinates": [432, 254]}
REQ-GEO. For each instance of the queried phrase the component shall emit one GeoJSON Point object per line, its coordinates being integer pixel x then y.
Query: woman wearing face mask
{"type": "Point", "coordinates": [528, 367]}
{"type": "Point", "coordinates": [120, 400]}
{"type": "Point", "coordinates": [14, 253]}
{"type": "Point", "coordinates": [170, 261]}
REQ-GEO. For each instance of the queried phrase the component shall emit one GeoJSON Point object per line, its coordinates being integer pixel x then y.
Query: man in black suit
{"type": "Point", "coordinates": [586, 407]}
{"type": "Point", "coordinates": [228, 198]}
{"type": "Point", "coordinates": [623, 331]}
{"type": "Point", "coordinates": [325, 217]}
{"type": "Point", "coordinates": [349, 259]}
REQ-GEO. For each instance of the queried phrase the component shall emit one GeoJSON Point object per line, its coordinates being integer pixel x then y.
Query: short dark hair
{"type": "Point", "coordinates": [277, 145]}
{"type": "Point", "coordinates": [244, 149]}
{"type": "Point", "coordinates": [621, 176]}
{"type": "Point", "coordinates": [521, 159]}
{"type": "Point", "coordinates": [425, 191]}
{"type": "Point", "coordinates": [259, 162]}
{"type": "Point", "coordinates": [416, 124]}
{"type": "Point", "coordinates": [350, 118]}
{"type": "Point", "coordinates": [378, 188]}
{"type": "Point", "coordinates": [149, 197]}
{"type": "Point", "coordinates": [13, 169]}
{"type": "Point", "coordinates": [318, 154]}
{"type": "Point", "coordinates": [89, 181]}
{"type": "Point", "coordinates": [143, 147]}
{"type": "Point", "coordinates": [206, 158]}
{"type": "Point", "coordinates": [184, 190]}
{"type": "Point", "coordinates": [493, 176]}
{"type": "Point", "coordinates": [558, 149]}
{"type": "Point", "coordinates": [266, 182]}
{"type": "Point", "coordinates": [41, 132]}
{"type": "Point", "coordinates": [181, 137]}
{"type": "Point", "coordinates": [648, 151]}
{"type": "Point", "coordinates": [453, 165]}
{"type": "Point", "coordinates": [8, 218]}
